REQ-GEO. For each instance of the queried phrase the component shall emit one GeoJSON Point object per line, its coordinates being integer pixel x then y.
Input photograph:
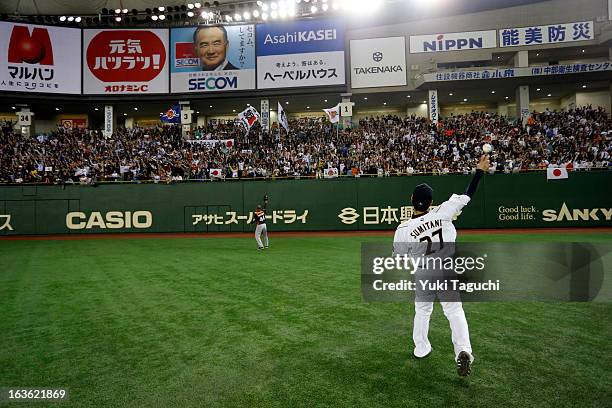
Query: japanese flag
{"type": "Point", "coordinates": [333, 114]}
{"type": "Point", "coordinates": [282, 117]}
{"type": "Point", "coordinates": [556, 173]}
{"type": "Point", "coordinates": [331, 172]}
{"type": "Point", "coordinates": [248, 117]}
{"type": "Point", "coordinates": [215, 173]}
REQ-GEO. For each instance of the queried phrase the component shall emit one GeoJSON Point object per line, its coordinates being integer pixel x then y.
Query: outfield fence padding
{"type": "Point", "coordinates": [502, 201]}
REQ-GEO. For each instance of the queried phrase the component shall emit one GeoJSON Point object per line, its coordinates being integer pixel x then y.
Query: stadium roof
{"type": "Point", "coordinates": [413, 9]}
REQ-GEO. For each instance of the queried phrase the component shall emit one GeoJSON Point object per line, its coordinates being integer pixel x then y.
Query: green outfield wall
{"type": "Point", "coordinates": [502, 201]}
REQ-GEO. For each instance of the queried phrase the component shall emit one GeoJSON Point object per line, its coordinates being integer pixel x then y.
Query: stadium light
{"type": "Point", "coordinates": [190, 6]}
{"type": "Point", "coordinates": [237, 17]}
{"type": "Point", "coordinates": [264, 16]}
{"type": "Point", "coordinates": [162, 17]}
{"type": "Point", "coordinates": [56, 109]}
{"type": "Point", "coordinates": [538, 89]}
{"type": "Point", "coordinates": [549, 95]}
{"type": "Point", "coordinates": [190, 14]}
{"type": "Point", "coordinates": [265, 7]}
{"type": "Point", "coordinates": [584, 86]}
{"type": "Point", "coordinates": [228, 18]}
{"type": "Point", "coordinates": [313, 9]}
{"type": "Point", "coordinates": [124, 11]}
{"type": "Point", "coordinates": [125, 114]}
{"type": "Point", "coordinates": [234, 110]}
{"type": "Point", "coordinates": [324, 100]}
{"type": "Point", "coordinates": [117, 11]}
{"type": "Point", "coordinates": [71, 19]}
{"type": "Point", "coordinates": [259, 3]}
{"type": "Point", "coordinates": [365, 98]}
{"type": "Point", "coordinates": [507, 97]}
{"type": "Point", "coordinates": [450, 94]}
{"type": "Point", "coordinates": [210, 106]}
{"type": "Point", "coordinates": [96, 109]}
{"type": "Point", "coordinates": [324, 7]}
{"type": "Point", "coordinates": [161, 8]}
{"type": "Point", "coordinates": [256, 13]}
{"type": "Point", "coordinates": [273, 5]}
{"type": "Point", "coordinates": [464, 99]}
{"type": "Point", "coordinates": [273, 14]}
{"type": "Point", "coordinates": [492, 92]}
{"type": "Point", "coordinates": [246, 15]}
{"type": "Point", "coordinates": [118, 19]}
{"type": "Point", "coordinates": [78, 19]}
{"type": "Point", "coordinates": [13, 107]}
{"type": "Point", "coordinates": [407, 96]}
{"type": "Point", "coordinates": [204, 14]}
{"type": "Point", "coordinates": [308, 107]}
{"type": "Point", "coordinates": [153, 17]}
{"type": "Point", "coordinates": [135, 109]}
{"type": "Point", "coordinates": [197, 5]}
{"type": "Point", "coordinates": [63, 18]}
{"type": "Point", "coordinates": [287, 103]}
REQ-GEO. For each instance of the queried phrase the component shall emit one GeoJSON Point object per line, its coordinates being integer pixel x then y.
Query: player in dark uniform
{"type": "Point", "coordinates": [261, 231]}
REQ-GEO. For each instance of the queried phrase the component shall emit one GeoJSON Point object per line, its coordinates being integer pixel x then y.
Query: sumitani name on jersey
{"type": "Point", "coordinates": [425, 226]}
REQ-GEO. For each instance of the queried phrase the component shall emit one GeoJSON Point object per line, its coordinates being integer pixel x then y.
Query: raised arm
{"type": "Point", "coordinates": [450, 208]}
{"type": "Point", "coordinates": [481, 168]}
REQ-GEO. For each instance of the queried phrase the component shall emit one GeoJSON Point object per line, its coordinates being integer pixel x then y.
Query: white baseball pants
{"type": "Point", "coordinates": [458, 324]}
{"type": "Point", "coordinates": [261, 235]}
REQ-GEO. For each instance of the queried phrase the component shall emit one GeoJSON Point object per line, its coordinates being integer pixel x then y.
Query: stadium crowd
{"type": "Point", "coordinates": [385, 146]}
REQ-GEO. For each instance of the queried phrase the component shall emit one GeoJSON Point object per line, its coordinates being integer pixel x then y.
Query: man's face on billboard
{"type": "Point", "coordinates": [211, 47]}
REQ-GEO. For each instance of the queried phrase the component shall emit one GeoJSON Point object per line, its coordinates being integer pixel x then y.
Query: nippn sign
{"type": "Point", "coordinates": [378, 62]}
{"type": "Point", "coordinates": [470, 40]}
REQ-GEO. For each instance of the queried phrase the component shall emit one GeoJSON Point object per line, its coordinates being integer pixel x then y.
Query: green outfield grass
{"type": "Point", "coordinates": [212, 322]}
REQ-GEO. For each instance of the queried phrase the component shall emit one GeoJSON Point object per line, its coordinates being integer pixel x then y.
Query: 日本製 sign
{"type": "Point", "coordinates": [125, 61]}
{"type": "Point", "coordinates": [546, 34]}
{"type": "Point", "coordinates": [300, 53]}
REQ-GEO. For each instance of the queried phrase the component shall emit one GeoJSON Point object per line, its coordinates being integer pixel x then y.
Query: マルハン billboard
{"type": "Point", "coordinates": [300, 53]}
{"type": "Point", "coordinates": [125, 61]}
{"type": "Point", "coordinates": [378, 62]}
{"type": "Point", "coordinates": [212, 58]}
{"type": "Point", "coordinates": [36, 58]}
{"type": "Point", "coordinates": [470, 40]}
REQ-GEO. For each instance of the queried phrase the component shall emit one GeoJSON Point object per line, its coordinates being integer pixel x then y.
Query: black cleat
{"type": "Point", "coordinates": [260, 248]}
{"type": "Point", "coordinates": [464, 364]}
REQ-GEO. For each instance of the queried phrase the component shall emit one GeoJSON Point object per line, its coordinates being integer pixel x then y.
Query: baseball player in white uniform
{"type": "Point", "coordinates": [261, 231]}
{"type": "Point", "coordinates": [427, 232]}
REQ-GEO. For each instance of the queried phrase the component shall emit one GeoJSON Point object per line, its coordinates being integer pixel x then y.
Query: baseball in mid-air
{"type": "Point", "coordinates": [486, 148]}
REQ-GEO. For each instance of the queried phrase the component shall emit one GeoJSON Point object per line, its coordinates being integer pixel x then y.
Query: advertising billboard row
{"type": "Point", "coordinates": [47, 59]}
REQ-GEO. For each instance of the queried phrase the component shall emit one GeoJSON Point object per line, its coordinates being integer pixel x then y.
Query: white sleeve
{"type": "Point", "coordinates": [401, 244]}
{"type": "Point", "coordinates": [453, 206]}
